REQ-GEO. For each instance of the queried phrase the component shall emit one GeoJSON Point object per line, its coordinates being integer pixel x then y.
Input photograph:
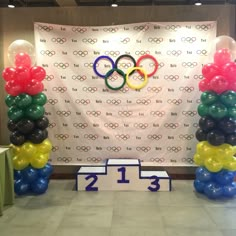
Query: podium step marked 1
{"type": "Point", "coordinates": [121, 175]}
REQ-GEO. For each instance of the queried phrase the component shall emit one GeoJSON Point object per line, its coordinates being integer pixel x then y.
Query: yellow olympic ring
{"type": "Point", "coordinates": [143, 84]}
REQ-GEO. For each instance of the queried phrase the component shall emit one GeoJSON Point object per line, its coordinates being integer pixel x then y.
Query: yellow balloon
{"type": "Point", "coordinates": [44, 147]}
{"type": "Point", "coordinates": [225, 150]}
{"type": "Point", "coordinates": [39, 161]}
{"type": "Point", "coordinates": [19, 162]}
{"type": "Point", "coordinates": [213, 165]}
{"type": "Point", "coordinates": [28, 149]}
{"type": "Point", "coordinates": [198, 160]}
{"type": "Point", "coordinates": [230, 165]}
{"type": "Point", "coordinates": [16, 149]}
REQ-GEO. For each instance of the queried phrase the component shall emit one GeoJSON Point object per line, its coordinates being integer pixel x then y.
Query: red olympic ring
{"type": "Point", "coordinates": [147, 56]}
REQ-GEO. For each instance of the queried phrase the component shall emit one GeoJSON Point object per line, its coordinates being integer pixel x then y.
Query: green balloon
{"type": "Point", "coordinates": [34, 112]}
{"type": "Point", "coordinates": [218, 111]}
{"type": "Point", "coordinates": [228, 98]}
{"type": "Point", "coordinates": [209, 97]}
{"type": "Point", "coordinates": [39, 99]}
{"type": "Point", "coordinates": [23, 100]}
{"type": "Point", "coordinates": [203, 110]}
{"type": "Point", "coordinates": [10, 100]}
{"type": "Point", "coordinates": [15, 114]}
{"type": "Point", "coordinates": [232, 112]}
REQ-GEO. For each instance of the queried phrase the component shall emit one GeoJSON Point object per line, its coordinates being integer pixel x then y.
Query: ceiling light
{"type": "Point", "coordinates": [198, 3]}
{"type": "Point", "coordinates": [10, 4]}
{"type": "Point", "coordinates": [114, 4]}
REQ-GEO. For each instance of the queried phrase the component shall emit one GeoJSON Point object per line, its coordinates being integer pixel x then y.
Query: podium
{"type": "Point", "coordinates": [121, 175]}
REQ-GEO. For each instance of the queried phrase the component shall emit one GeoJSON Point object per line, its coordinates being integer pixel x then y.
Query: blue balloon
{"type": "Point", "coordinates": [199, 185]}
{"type": "Point", "coordinates": [39, 186]}
{"type": "Point", "coordinates": [21, 187]}
{"type": "Point", "coordinates": [203, 174]}
{"type": "Point", "coordinates": [224, 177]}
{"type": "Point", "coordinates": [17, 174]}
{"type": "Point", "coordinates": [46, 171]}
{"type": "Point", "coordinates": [29, 174]}
{"type": "Point", "coordinates": [229, 190]}
{"type": "Point", "coordinates": [213, 190]}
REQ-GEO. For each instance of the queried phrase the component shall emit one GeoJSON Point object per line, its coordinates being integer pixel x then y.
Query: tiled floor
{"type": "Point", "coordinates": [64, 212]}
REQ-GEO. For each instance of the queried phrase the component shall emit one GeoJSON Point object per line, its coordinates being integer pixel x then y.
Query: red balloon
{"type": "Point", "coordinates": [222, 56]}
{"type": "Point", "coordinates": [229, 71]}
{"type": "Point", "coordinates": [13, 88]}
{"type": "Point", "coordinates": [219, 84]}
{"type": "Point", "coordinates": [232, 85]}
{"type": "Point", "coordinates": [210, 70]}
{"type": "Point", "coordinates": [9, 73]}
{"type": "Point", "coordinates": [204, 85]}
{"type": "Point", "coordinates": [22, 75]}
{"type": "Point", "coordinates": [37, 73]}
{"type": "Point", "coordinates": [23, 59]}
{"type": "Point", "coordinates": [34, 87]}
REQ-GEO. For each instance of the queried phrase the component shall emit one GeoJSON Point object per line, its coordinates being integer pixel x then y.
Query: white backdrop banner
{"type": "Point", "coordinates": [90, 122]}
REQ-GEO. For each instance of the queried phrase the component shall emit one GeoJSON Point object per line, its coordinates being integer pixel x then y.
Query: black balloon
{"type": "Point", "coordinates": [45, 133]}
{"type": "Point", "coordinates": [227, 125]}
{"type": "Point", "coordinates": [215, 137]}
{"type": "Point", "coordinates": [207, 123]}
{"type": "Point", "coordinates": [231, 139]}
{"type": "Point", "coordinates": [25, 126]}
{"type": "Point", "coordinates": [11, 125]}
{"type": "Point", "coordinates": [42, 123]}
{"type": "Point", "coordinates": [201, 135]}
{"type": "Point", "coordinates": [37, 136]}
{"type": "Point", "coordinates": [17, 138]}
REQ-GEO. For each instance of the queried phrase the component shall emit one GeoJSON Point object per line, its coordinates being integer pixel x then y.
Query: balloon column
{"type": "Point", "coordinates": [217, 126]}
{"type": "Point", "coordinates": [27, 123]}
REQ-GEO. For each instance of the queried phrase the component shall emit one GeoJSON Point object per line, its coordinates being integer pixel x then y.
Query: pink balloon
{"type": "Point", "coordinates": [22, 75]}
{"type": "Point", "coordinates": [13, 88]}
{"type": "Point", "coordinates": [232, 85]}
{"type": "Point", "coordinates": [204, 85]}
{"type": "Point", "coordinates": [23, 59]}
{"type": "Point", "coordinates": [219, 84]}
{"type": "Point", "coordinates": [37, 73]}
{"type": "Point", "coordinates": [210, 70]}
{"type": "Point", "coordinates": [222, 56]}
{"type": "Point", "coordinates": [9, 73]}
{"type": "Point", "coordinates": [34, 87]}
{"type": "Point", "coordinates": [229, 71]}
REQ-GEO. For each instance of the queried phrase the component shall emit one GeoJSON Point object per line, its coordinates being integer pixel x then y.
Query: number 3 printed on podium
{"type": "Point", "coordinates": [155, 182]}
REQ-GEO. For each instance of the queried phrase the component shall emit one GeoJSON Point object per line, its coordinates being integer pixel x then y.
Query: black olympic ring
{"type": "Point", "coordinates": [113, 101]}
{"type": "Point", "coordinates": [172, 27]}
{"type": "Point", "coordinates": [143, 101]}
{"type": "Point", "coordinates": [94, 159]}
{"type": "Point", "coordinates": [186, 89]}
{"type": "Point", "coordinates": [189, 113]}
{"type": "Point", "coordinates": [143, 149]}
{"type": "Point", "coordinates": [186, 136]}
{"type": "Point", "coordinates": [154, 136]}
{"type": "Point", "coordinates": [112, 53]}
{"type": "Point", "coordinates": [49, 77]}
{"type": "Point", "coordinates": [188, 39]}
{"type": "Point", "coordinates": [51, 125]}
{"type": "Point", "coordinates": [61, 65]}
{"type": "Point", "coordinates": [91, 136]}
{"type": "Point", "coordinates": [171, 125]}
{"type": "Point", "coordinates": [125, 40]}
{"type": "Point", "coordinates": [93, 113]}
{"type": "Point", "coordinates": [125, 56]}
{"type": "Point", "coordinates": [114, 149]}
{"type": "Point", "coordinates": [157, 113]}
{"type": "Point", "coordinates": [79, 30]}
{"type": "Point", "coordinates": [83, 148]}
{"type": "Point", "coordinates": [160, 160]}
{"type": "Point", "coordinates": [171, 77]}
{"type": "Point", "coordinates": [174, 149]}
{"type": "Point", "coordinates": [64, 159]}
{"type": "Point", "coordinates": [61, 136]}
{"type": "Point", "coordinates": [125, 113]}
{"type": "Point", "coordinates": [52, 101]}
{"type": "Point", "coordinates": [155, 40]}
{"type": "Point", "coordinates": [111, 125]}
{"type": "Point", "coordinates": [174, 53]}
{"type": "Point", "coordinates": [82, 101]}
{"type": "Point", "coordinates": [122, 136]}
{"type": "Point", "coordinates": [79, 77]}
{"type": "Point", "coordinates": [90, 89]}
{"type": "Point", "coordinates": [55, 148]}
{"type": "Point", "coordinates": [111, 30]}
{"type": "Point", "coordinates": [45, 28]}
{"type": "Point", "coordinates": [80, 125]}
{"type": "Point", "coordinates": [80, 53]}
{"type": "Point", "coordinates": [188, 160]}
{"type": "Point", "coordinates": [89, 40]}
{"type": "Point", "coordinates": [59, 89]}
{"type": "Point", "coordinates": [47, 53]}
{"type": "Point", "coordinates": [189, 64]}
{"type": "Point", "coordinates": [58, 40]}
{"type": "Point", "coordinates": [141, 125]}
{"type": "Point", "coordinates": [63, 113]}
{"type": "Point", "coordinates": [203, 27]}
{"type": "Point", "coordinates": [175, 101]}
{"type": "Point", "coordinates": [154, 89]}
{"type": "Point", "coordinates": [141, 28]}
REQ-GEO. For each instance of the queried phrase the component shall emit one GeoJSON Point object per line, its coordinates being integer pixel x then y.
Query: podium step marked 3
{"type": "Point", "coordinates": [121, 175]}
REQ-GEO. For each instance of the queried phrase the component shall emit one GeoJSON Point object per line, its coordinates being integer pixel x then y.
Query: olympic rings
{"type": "Point", "coordinates": [148, 56]}
{"type": "Point", "coordinates": [125, 56]}
{"type": "Point", "coordinates": [98, 59]}
{"type": "Point", "coordinates": [143, 84]}
{"type": "Point", "coordinates": [109, 73]}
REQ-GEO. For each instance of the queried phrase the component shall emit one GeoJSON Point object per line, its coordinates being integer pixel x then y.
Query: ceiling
{"type": "Point", "coordinates": [64, 3]}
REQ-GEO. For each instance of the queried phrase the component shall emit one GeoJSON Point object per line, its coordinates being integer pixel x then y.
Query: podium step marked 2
{"type": "Point", "coordinates": [121, 175]}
